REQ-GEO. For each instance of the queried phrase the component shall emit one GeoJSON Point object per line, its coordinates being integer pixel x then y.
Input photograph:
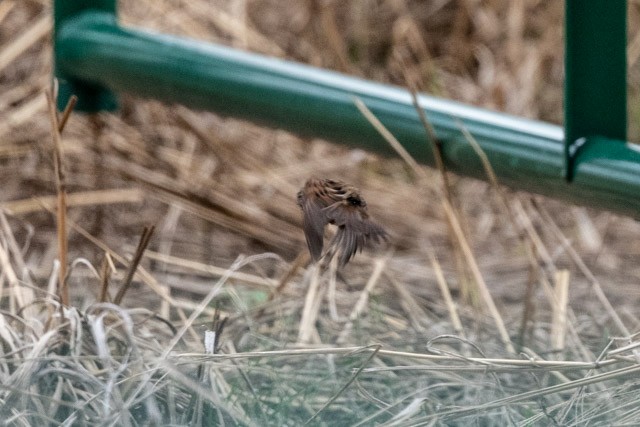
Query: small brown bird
{"type": "Point", "coordinates": [328, 201]}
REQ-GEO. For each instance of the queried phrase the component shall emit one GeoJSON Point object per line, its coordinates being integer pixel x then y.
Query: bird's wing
{"type": "Point", "coordinates": [354, 231]}
{"type": "Point", "coordinates": [313, 222]}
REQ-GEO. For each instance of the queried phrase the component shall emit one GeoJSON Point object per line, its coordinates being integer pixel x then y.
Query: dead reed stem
{"type": "Point", "coordinates": [331, 290]}
{"type": "Point", "coordinates": [455, 225]}
{"type": "Point", "coordinates": [5, 8]}
{"type": "Point", "coordinates": [301, 259]}
{"type": "Point", "coordinates": [363, 299]}
{"type": "Point", "coordinates": [25, 40]}
{"type": "Point", "coordinates": [528, 244]}
{"type": "Point", "coordinates": [21, 292]}
{"type": "Point", "coordinates": [434, 142]}
{"type": "Point", "coordinates": [61, 189]}
{"type": "Point", "coordinates": [559, 310]}
{"type": "Point", "coordinates": [80, 198]}
{"type": "Point", "coordinates": [542, 251]}
{"type": "Point", "coordinates": [212, 270]}
{"type": "Point", "coordinates": [477, 275]}
{"type": "Point", "coordinates": [436, 147]}
{"type": "Point", "coordinates": [145, 238]}
{"type": "Point", "coordinates": [145, 276]}
{"type": "Point", "coordinates": [595, 283]}
{"type": "Point", "coordinates": [311, 307]}
{"type": "Point", "coordinates": [105, 275]}
{"type": "Point", "coordinates": [446, 294]}
{"type": "Point", "coordinates": [417, 315]}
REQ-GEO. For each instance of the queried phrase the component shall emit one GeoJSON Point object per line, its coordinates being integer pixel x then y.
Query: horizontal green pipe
{"type": "Point", "coordinates": [525, 154]}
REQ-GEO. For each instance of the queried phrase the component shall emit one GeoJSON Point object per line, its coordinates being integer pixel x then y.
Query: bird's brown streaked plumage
{"type": "Point", "coordinates": [327, 201]}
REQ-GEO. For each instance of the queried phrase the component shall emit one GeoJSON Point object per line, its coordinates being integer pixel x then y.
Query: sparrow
{"type": "Point", "coordinates": [328, 201]}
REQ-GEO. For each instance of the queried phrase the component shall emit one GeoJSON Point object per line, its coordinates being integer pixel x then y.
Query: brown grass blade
{"type": "Point", "coordinates": [61, 213]}
{"type": "Point", "coordinates": [25, 40]}
{"type": "Point", "coordinates": [80, 198]}
{"type": "Point", "coordinates": [105, 276]}
{"type": "Point", "coordinates": [145, 238]}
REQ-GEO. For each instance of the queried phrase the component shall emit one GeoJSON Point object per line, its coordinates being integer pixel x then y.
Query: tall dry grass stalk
{"type": "Point", "coordinates": [454, 223]}
{"type": "Point", "coordinates": [57, 126]}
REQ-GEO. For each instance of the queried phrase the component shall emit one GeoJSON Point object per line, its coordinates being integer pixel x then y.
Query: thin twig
{"type": "Point", "coordinates": [73, 100]}
{"type": "Point", "coordinates": [105, 275]}
{"type": "Point", "coordinates": [80, 198]}
{"type": "Point", "coordinates": [142, 246]}
{"type": "Point", "coordinates": [302, 259]}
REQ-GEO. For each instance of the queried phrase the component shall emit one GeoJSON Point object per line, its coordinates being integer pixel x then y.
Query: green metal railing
{"type": "Point", "coordinates": [95, 57]}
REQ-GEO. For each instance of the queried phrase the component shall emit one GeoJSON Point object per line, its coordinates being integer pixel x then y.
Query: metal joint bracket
{"type": "Point", "coordinates": [92, 96]}
{"type": "Point", "coordinates": [570, 157]}
{"type": "Point", "coordinates": [595, 75]}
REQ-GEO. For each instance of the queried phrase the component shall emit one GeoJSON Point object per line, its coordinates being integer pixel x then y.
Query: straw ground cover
{"type": "Point", "coordinates": [491, 307]}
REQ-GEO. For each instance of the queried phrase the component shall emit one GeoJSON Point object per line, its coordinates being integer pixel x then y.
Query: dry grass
{"type": "Point", "coordinates": [395, 338]}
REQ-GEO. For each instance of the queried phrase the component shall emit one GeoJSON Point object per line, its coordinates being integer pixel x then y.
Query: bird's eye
{"type": "Point", "coordinates": [354, 201]}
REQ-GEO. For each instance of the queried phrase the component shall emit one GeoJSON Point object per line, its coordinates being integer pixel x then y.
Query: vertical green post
{"type": "Point", "coordinates": [92, 97]}
{"type": "Point", "coordinates": [595, 80]}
